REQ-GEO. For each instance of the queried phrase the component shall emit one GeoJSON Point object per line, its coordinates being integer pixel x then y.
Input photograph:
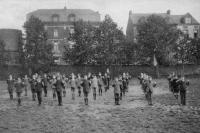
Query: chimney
{"type": "Point", "coordinates": [168, 12]}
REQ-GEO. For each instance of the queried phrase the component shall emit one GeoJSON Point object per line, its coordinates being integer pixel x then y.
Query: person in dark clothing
{"type": "Point", "coordinates": [100, 84]}
{"type": "Point", "coordinates": [19, 89]}
{"type": "Point", "coordinates": [26, 85]}
{"type": "Point", "coordinates": [116, 86]}
{"type": "Point", "coordinates": [124, 85]}
{"type": "Point", "coordinates": [72, 83]}
{"type": "Point", "coordinates": [86, 88]}
{"type": "Point", "coordinates": [10, 83]}
{"type": "Point", "coordinates": [39, 88]}
{"type": "Point", "coordinates": [59, 87]}
{"type": "Point", "coordinates": [105, 81]}
{"type": "Point", "coordinates": [78, 84]}
{"type": "Point", "coordinates": [45, 82]}
{"type": "Point", "coordinates": [121, 87]}
{"type": "Point", "coordinates": [175, 87]}
{"type": "Point", "coordinates": [183, 89]}
{"type": "Point", "coordinates": [33, 87]}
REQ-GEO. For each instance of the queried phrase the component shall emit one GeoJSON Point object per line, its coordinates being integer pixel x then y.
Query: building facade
{"type": "Point", "coordinates": [59, 24]}
{"type": "Point", "coordinates": [186, 23]}
{"type": "Point", "coordinates": [11, 39]}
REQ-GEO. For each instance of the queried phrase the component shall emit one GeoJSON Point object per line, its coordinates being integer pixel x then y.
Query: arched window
{"type": "Point", "coordinates": [55, 18]}
{"type": "Point", "coordinates": [72, 17]}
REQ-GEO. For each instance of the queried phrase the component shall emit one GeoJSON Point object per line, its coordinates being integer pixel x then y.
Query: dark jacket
{"type": "Point", "coordinates": [45, 81]}
{"type": "Point", "coordinates": [39, 87]}
{"type": "Point", "coordinates": [59, 85]}
{"type": "Point", "coordinates": [19, 87]}
{"type": "Point", "coordinates": [10, 84]}
{"type": "Point", "coordinates": [86, 85]}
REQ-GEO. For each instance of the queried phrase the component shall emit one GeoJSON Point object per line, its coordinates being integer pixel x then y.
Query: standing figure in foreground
{"type": "Point", "coordinates": [86, 88]}
{"type": "Point", "coordinates": [78, 83]}
{"type": "Point", "coordinates": [59, 87]}
{"type": "Point", "coordinates": [73, 86]}
{"type": "Point", "coordinates": [26, 84]}
{"type": "Point", "coordinates": [116, 86]}
{"type": "Point", "coordinates": [183, 89]}
{"type": "Point", "coordinates": [53, 81]}
{"type": "Point", "coordinates": [39, 88]}
{"type": "Point", "coordinates": [100, 84]}
{"type": "Point", "coordinates": [33, 87]}
{"type": "Point", "coordinates": [94, 86]}
{"type": "Point", "coordinates": [10, 83]}
{"type": "Point", "coordinates": [19, 89]}
{"type": "Point", "coordinates": [45, 82]}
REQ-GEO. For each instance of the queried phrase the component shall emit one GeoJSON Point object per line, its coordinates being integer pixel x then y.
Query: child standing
{"type": "Point", "coordinates": [116, 86]}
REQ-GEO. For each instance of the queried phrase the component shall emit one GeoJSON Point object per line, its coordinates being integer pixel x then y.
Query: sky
{"type": "Point", "coordinates": [13, 12]}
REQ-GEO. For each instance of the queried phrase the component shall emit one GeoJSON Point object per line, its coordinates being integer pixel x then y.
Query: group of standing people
{"type": "Point", "coordinates": [59, 83]}
{"type": "Point", "coordinates": [178, 86]}
{"type": "Point", "coordinates": [147, 86]}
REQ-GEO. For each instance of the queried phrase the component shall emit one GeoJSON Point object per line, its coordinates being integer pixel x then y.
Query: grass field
{"type": "Point", "coordinates": [132, 116]}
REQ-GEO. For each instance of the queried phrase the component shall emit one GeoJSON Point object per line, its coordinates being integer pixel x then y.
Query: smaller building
{"type": "Point", "coordinates": [11, 39]}
{"type": "Point", "coordinates": [186, 23]}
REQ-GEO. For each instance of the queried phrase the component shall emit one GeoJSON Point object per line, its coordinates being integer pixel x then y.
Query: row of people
{"type": "Point", "coordinates": [59, 83]}
{"type": "Point", "coordinates": [147, 86]}
{"type": "Point", "coordinates": [178, 86]}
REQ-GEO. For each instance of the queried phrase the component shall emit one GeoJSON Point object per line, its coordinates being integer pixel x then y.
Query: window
{"type": "Point", "coordinates": [56, 48]}
{"type": "Point", "coordinates": [71, 30]}
{"type": "Point", "coordinates": [195, 34]}
{"type": "Point", "coordinates": [188, 20]}
{"type": "Point", "coordinates": [55, 18]}
{"type": "Point", "coordinates": [55, 33]}
{"type": "Point", "coordinates": [72, 17]}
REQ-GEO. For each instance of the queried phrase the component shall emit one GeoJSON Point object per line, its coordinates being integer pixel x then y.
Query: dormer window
{"type": "Point", "coordinates": [188, 20]}
{"type": "Point", "coordinates": [55, 18]}
{"type": "Point", "coordinates": [72, 17]}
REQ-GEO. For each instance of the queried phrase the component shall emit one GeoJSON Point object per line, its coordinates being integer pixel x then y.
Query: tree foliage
{"type": "Point", "coordinates": [3, 58]}
{"type": "Point", "coordinates": [95, 45]}
{"type": "Point", "coordinates": [156, 35]}
{"type": "Point", "coordinates": [37, 52]}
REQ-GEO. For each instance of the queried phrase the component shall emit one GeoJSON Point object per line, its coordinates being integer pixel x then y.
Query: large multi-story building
{"type": "Point", "coordinates": [59, 24]}
{"type": "Point", "coordinates": [186, 23]}
{"type": "Point", "coordinates": [11, 38]}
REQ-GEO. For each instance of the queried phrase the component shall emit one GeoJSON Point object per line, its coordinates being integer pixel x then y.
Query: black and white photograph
{"type": "Point", "coordinates": [99, 66]}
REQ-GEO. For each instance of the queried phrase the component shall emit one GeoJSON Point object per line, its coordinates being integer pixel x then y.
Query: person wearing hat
{"type": "Point", "coordinates": [59, 87]}
{"type": "Point", "coordinates": [10, 83]}
{"type": "Point", "coordinates": [116, 86]}
{"type": "Point", "coordinates": [33, 87]}
{"type": "Point", "coordinates": [78, 84]}
{"type": "Point", "coordinates": [183, 89]}
{"type": "Point", "coordinates": [53, 81]}
{"type": "Point", "coordinates": [72, 83]}
{"type": "Point", "coordinates": [19, 89]}
{"type": "Point", "coordinates": [100, 84]}
{"type": "Point", "coordinates": [86, 88]}
{"type": "Point", "coordinates": [94, 84]}
{"type": "Point", "coordinates": [39, 88]}
{"type": "Point", "coordinates": [45, 82]}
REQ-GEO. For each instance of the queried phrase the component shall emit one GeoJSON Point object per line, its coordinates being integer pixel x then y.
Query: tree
{"type": "Point", "coordinates": [84, 48]}
{"type": "Point", "coordinates": [195, 49]}
{"type": "Point", "coordinates": [110, 39]}
{"type": "Point", "coordinates": [156, 36]}
{"type": "Point", "coordinates": [95, 45]}
{"type": "Point", "coordinates": [37, 52]}
{"type": "Point", "coordinates": [3, 58]}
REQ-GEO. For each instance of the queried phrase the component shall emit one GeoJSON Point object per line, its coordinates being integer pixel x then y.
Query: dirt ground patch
{"type": "Point", "coordinates": [132, 116]}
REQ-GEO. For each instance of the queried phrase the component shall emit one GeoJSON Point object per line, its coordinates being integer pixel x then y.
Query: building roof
{"type": "Point", "coordinates": [173, 19]}
{"type": "Point", "coordinates": [84, 14]}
